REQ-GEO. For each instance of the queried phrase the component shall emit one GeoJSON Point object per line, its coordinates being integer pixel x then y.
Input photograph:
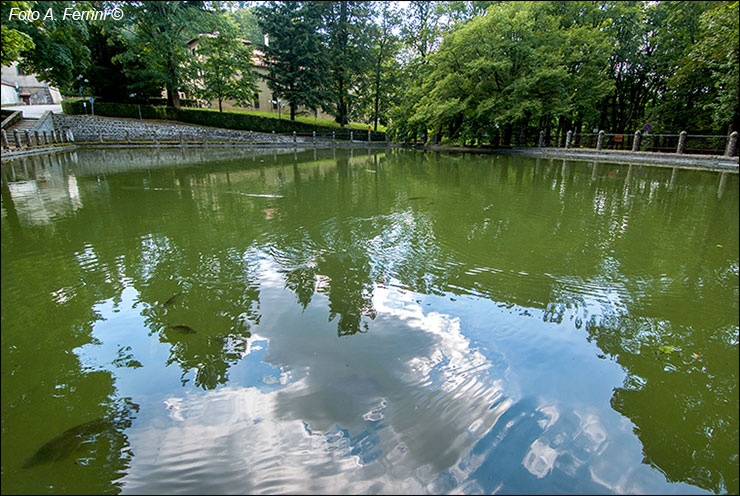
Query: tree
{"type": "Point", "coordinates": [58, 50]}
{"type": "Point", "coordinates": [295, 55]}
{"type": "Point", "coordinates": [378, 89]}
{"type": "Point", "coordinates": [421, 30]}
{"type": "Point", "coordinates": [14, 42]}
{"type": "Point", "coordinates": [224, 67]}
{"type": "Point", "coordinates": [246, 22]}
{"type": "Point", "coordinates": [718, 51]}
{"type": "Point", "coordinates": [346, 24]}
{"type": "Point", "coordinates": [112, 79]}
{"type": "Point", "coordinates": [159, 35]}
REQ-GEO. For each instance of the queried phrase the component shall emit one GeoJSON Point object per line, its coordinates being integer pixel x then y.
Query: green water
{"type": "Point", "coordinates": [381, 321]}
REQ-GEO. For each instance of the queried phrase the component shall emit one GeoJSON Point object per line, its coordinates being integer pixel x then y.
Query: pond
{"type": "Point", "coordinates": [366, 321]}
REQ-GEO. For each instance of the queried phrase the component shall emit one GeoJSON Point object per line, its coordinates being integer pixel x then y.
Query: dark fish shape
{"type": "Point", "coordinates": [172, 299]}
{"type": "Point", "coordinates": [183, 329]}
{"type": "Point", "coordinates": [67, 442]}
{"type": "Point", "coordinates": [417, 198]}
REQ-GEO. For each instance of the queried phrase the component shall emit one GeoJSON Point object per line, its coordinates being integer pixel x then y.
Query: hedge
{"type": "Point", "coordinates": [212, 118]}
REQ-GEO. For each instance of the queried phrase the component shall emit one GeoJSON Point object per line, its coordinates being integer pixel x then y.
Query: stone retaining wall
{"type": "Point", "coordinates": [90, 129]}
{"type": "Point", "coordinates": [45, 123]}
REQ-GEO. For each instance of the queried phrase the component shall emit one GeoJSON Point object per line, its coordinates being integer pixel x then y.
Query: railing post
{"type": "Point", "coordinates": [154, 137]}
{"type": "Point", "coordinates": [541, 142]}
{"type": "Point", "coordinates": [294, 137]}
{"type": "Point", "coordinates": [70, 136]}
{"type": "Point", "coordinates": [731, 144]}
{"type": "Point", "coordinates": [37, 138]}
{"type": "Point", "coordinates": [28, 138]}
{"type": "Point", "coordinates": [5, 140]}
{"type": "Point", "coordinates": [205, 138]}
{"type": "Point", "coordinates": [100, 136]}
{"type": "Point", "coordinates": [568, 138]}
{"type": "Point", "coordinates": [369, 136]}
{"type": "Point", "coordinates": [681, 142]}
{"type": "Point", "coordinates": [351, 136]}
{"type": "Point", "coordinates": [600, 142]}
{"type": "Point", "coordinates": [333, 137]}
{"type": "Point", "coordinates": [273, 136]}
{"type": "Point", "coordinates": [17, 137]}
{"type": "Point", "coordinates": [636, 141]}
{"type": "Point", "coordinates": [313, 137]}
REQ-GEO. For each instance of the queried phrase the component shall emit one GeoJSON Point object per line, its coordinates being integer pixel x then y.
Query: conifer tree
{"type": "Point", "coordinates": [294, 53]}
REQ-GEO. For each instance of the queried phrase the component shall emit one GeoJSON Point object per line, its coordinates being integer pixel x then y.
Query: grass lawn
{"type": "Point", "coordinates": [308, 120]}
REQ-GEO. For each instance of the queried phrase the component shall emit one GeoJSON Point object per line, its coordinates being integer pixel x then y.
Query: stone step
{"type": "Point", "coordinates": [21, 125]}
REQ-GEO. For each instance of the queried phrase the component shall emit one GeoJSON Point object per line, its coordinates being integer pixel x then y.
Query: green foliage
{"type": "Point", "coordinates": [156, 40]}
{"type": "Point", "coordinates": [111, 77]}
{"type": "Point", "coordinates": [717, 51]}
{"type": "Point", "coordinates": [247, 25]}
{"type": "Point", "coordinates": [378, 90]}
{"type": "Point", "coordinates": [14, 42]}
{"type": "Point", "coordinates": [58, 52]}
{"type": "Point", "coordinates": [520, 67]}
{"type": "Point", "coordinates": [346, 24]}
{"type": "Point", "coordinates": [296, 57]}
{"type": "Point", "coordinates": [223, 68]}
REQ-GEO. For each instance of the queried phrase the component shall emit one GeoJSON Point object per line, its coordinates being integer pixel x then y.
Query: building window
{"type": "Point", "coordinates": [256, 100]}
{"type": "Point", "coordinates": [21, 72]}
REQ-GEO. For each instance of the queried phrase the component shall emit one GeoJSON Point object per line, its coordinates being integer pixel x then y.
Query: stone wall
{"type": "Point", "coordinates": [45, 123]}
{"type": "Point", "coordinates": [89, 129]}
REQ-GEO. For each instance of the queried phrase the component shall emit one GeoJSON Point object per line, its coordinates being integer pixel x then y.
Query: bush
{"type": "Point", "coordinates": [207, 117]}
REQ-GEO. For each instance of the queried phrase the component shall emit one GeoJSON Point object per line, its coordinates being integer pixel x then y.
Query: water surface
{"type": "Point", "coordinates": [366, 321]}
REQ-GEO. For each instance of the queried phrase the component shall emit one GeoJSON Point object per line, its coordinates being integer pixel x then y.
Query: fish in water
{"type": "Point", "coordinates": [183, 329]}
{"type": "Point", "coordinates": [172, 299]}
{"type": "Point", "coordinates": [417, 198]}
{"type": "Point", "coordinates": [67, 442]}
{"type": "Point", "coordinates": [256, 195]}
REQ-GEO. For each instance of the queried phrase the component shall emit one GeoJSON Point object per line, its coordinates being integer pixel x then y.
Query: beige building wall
{"type": "Point", "coordinates": [28, 89]}
{"type": "Point", "coordinates": [263, 101]}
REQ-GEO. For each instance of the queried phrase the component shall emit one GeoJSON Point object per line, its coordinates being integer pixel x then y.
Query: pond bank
{"type": "Point", "coordinates": [711, 162]}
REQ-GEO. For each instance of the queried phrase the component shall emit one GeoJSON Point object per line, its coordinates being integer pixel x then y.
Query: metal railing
{"type": "Point", "coordinates": [681, 143]}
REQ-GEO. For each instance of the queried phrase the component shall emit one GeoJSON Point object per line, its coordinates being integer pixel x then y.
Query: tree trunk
{"type": "Point", "coordinates": [377, 95]}
{"type": "Point", "coordinates": [219, 106]}
{"type": "Point", "coordinates": [292, 111]}
{"type": "Point", "coordinates": [507, 134]}
{"type": "Point", "coordinates": [173, 95]}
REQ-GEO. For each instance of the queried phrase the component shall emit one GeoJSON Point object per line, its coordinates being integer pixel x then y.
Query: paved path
{"type": "Point", "coordinates": [35, 111]}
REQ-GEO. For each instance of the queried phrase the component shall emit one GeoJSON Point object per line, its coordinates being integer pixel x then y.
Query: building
{"type": "Point", "coordinates": [264, 101]}
{"type": "Point", "coordinates": [19, 88]}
